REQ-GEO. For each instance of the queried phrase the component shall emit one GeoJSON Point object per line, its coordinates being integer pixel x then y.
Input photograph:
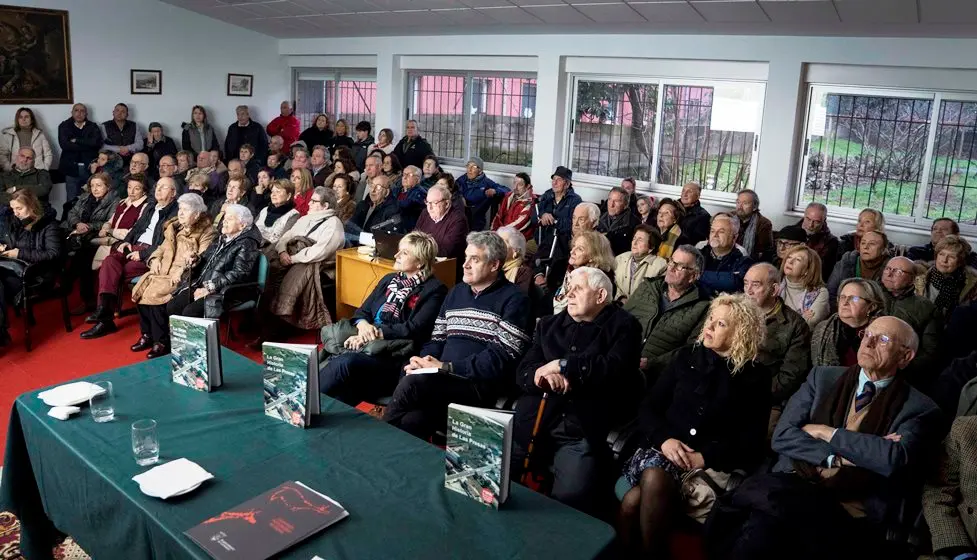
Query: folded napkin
{"type": "Point", "coordinates": [172, 478]}
{"type": "Point", "coordinates": [62, 412]}
{"type": "Point", "coordinates": [69, 394]}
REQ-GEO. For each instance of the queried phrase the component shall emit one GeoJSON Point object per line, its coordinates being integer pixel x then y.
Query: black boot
{"type": "Point", "coordinates": [100, 329]}
{"type": "Point", "coordinates": [144, 343]}
{"type": "Point", "coordinates": [105, 310]}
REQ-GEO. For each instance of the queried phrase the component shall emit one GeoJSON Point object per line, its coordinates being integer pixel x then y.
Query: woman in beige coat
{"type": "Point", "coordinates": [641, 262]}
{"type": "Point", "coordinates": [185, 238]}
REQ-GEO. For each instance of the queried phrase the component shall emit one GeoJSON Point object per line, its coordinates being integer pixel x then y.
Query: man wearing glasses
{"type": "Point", "coordinates": [167, 168]}
{"type": "Point", "coordinates": [411, 198]}
{"type": "Point", "coordinates": [378, 211]}
{"type": "Point", "coordinates": [671, 309]}
{"type": "Point", "coordinates": [920, 313]}
{"type": "Point", "coordinates": [446, 224]}
{"type": "Point", "coordinates": [853, 443]}
{"type": "Point", "coordinates": [819, 237]}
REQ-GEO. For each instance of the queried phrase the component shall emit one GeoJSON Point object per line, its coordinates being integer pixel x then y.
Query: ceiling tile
{"type": "Point", "coordinates": [241, 2]}
{"type": "Point", "coordinates": [293, 9]}
{"type": "Point", "coordinates": [563, 14]}
{"type": "Point", "coordinates": [876, 12]}
{"type": "Point", "coordinates": [463, 17]}
{"type": "Point", "coordinates": [948, 11]}
{"type": "Point", "coordinates": [323, 22]}
{"type": "Point", "coordinates": [394, 5]}
{"type": "Point", "coordinates": [730, 12]}
{"type": "Point", "coordinates": [348, 7]}
{"type": "Point", "coordinates": [485, 3]}
{"type": "Point", "coordinates": [315, 6]}
{"type": "Point", "coordinates": [419, 17]}
{"type": "Point", "coordinates": [667, 12]}
{"type": "Point", "coordinates": [813, 11]}
{"type": "Point", "coordinates": [260, 10]}
{"type": "Point", "coordinates": [509, 15]}
{"type": "Point", "coordinates": [609, 13]}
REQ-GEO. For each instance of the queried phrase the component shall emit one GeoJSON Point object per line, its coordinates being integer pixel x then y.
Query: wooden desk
{"type": "Point", "coordinates": [357, 275]}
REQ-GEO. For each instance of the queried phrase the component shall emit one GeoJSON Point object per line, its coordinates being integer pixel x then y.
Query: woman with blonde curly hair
{"type": "Point", "coordinates": [707, 412]}
{"type": "Point", "coordinates": [589, 248]}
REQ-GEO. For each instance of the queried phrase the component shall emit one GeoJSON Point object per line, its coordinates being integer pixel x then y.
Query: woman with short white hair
{"type": "Point", "coordinates": [515, 268]}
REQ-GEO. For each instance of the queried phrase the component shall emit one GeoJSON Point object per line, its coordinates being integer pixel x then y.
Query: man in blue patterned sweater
{"type": "Point", "coordinates": [480, 335]}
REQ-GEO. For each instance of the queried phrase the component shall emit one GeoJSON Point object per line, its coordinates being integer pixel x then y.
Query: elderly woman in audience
{"type": "Point", "coordinates": [29, 234]}
{"type": "Point", "coordinates": [868, 261]}
{"type": "Point", "coordinates": [518, 209]}
{"type": "Point", "coordinates": [127, 211]}
{"type": "Point", "coordinates": [391, 167]}
{"type": "Point", "coordinates": [91, 211]}
{"type": "Point", "coordinates": [641, 262]}
{"type": "Point", "coordinates": [384, 143]}
{"type": "Point", "coordinates": [949, 282]}
{"type": "Point", "coordinates": [670, 213]}
{"type": "Point", "coordinates": [431, 169]}
{"type": "Point", "coordinates": [588, 248]}
{"type": "Point", "coordinates": [802, 288]}
{"type": "Point", "coordinates": [200, 184]}
{"type": "Point", "coordinates": [236, 193]}
{"type": "Point", "coordinates": [302, 181]}
{"type": "Point", "coordinates": [343, 163]}
{"type": "Point", "coordinates": [185, 238]}
{"type": "Point", "coordinates": [342, 139]}
{"type": "Point", "coordinates": [198, 135]}
{"type": "Point", "coordinates": [261, 194]}
{"type": "Point", "coordinates": [342, 187]}
{"type": "Point", "coordinates": [515, 268]}
{"type": "Point", "coordinates": [646, 211]}
{"type": "Point", "coordinates": [708, 410]}
{"type": "Point", "coordinates": [869, 219]}
{"type": "Point", "coordinates": [395, 320]}
{"type": "Point", "coordinates": [24, 134]}
{"type": "Point", "coordinates": [279, 216]}
{"type": "Point", "coordinates": [835, 341]}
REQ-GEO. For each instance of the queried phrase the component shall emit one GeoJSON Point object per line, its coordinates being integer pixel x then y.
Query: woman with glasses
{"type": "Point", "coordinates": [949, 282]}
{"type": "Point", "coordinates": [802, 288]}
{"type": "Point", "coordinates": [835, 341]}
{"type": "Point", "coordinates": [670, 213]}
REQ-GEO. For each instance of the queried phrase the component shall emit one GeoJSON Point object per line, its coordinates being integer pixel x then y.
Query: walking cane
{"type": "Point", "coordinates": [532, 439]}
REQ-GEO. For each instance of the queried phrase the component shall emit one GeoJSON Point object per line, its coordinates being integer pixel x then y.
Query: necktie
{"type": "Point", "coordinates": [864, 398]}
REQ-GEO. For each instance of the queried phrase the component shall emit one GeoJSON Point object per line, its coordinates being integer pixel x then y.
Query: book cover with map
{"type": "Point", "coordinates": [267, 524]}
{"type": "Point", "coordinates": [291, 382]}
{"type": "Point", "coordinates": [195, 352]}
{"type": "Point", "coordinates": [477, 453]}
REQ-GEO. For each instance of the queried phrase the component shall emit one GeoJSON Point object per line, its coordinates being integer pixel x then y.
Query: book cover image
{"type": "Point", "coordinates": [267, 524]}
{"type": "Point", "coordinates": [188, 354]}
{"type": "Point", "coordinates": [286, 384]}
{"type": "Point", "coordinates": [473, 456]}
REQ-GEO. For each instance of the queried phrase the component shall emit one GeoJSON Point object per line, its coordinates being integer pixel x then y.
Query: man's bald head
{"type": "Point", "coordinates": [888, 345]}
{"type": "Point", "coordinates": [899, 275]}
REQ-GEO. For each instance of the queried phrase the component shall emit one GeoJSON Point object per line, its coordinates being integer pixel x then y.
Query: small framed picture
{"type": "Point", "coordinates": [146, 82]}
{"type": "Point", "coordinates": [240, 85]}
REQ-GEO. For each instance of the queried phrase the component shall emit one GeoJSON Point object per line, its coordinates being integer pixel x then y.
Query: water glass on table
{"type": "Point", "coordinates": [145, 442]}
{"type": "Point", "coordinates": [102, 402]}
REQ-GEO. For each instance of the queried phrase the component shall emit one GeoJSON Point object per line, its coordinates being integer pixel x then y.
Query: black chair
{"type": "Point", "coordinates": [246, 294]}
{"type": "Point", "coordinates": [35, 288]}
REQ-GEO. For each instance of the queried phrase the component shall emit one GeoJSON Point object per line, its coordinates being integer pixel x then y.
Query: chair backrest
{"type": "Point", "coordinates": [262, 270]}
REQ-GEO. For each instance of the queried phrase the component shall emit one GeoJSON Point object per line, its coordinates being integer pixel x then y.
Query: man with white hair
{"type": "Point", "coordinates": [411, 196]}
{"type": "Point", "coordinates": [618, 223]}
{"type": "Point", "coordinates": [726, 262]}
{"type": "Point", "coordinates": [24, 175]}
{"type": "Point", "coordinates": [898, 278]}
{"type": "Point", "coordinates": [372, 167]}
{"type": "Point", "coordinates": [581, 362]}
{"type": "Point", "coordinates": [445, 223]}
{"type": "Point", "coordinates": [553, 258]}
{"type": "Point", "coordinates": [695, 223]}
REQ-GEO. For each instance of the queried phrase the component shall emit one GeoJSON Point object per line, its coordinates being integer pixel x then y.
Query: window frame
{"type": "Point", "coordinates": [336, 76]}
{"type": "Point", "coordinates": [661, 82]}
{"type": "Point", "coordinates": [412, 101]}
{"type": "Point", "coordinates": [916, 222]}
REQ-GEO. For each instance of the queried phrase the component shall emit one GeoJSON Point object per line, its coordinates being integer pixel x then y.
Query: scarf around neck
{"type": "Point", "coordinates": [398, 290]}
{"type": "Point", "coordinates": [275, 212]}
{"type": "Point", "coordinates": [948, 287]}
{"type": "Point", "coordinates": [511, 269]}
{"type": "Point", "coordinates": [749, 233]}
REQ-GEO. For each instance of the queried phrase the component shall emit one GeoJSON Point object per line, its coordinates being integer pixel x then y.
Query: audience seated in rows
{"type": "Point", "coordinates": [670, 213]}
{"type": "Point", "coordinates": [24, 175]}
{"type": "Point", "coordinates": [920, 314]}
{"type": "Point", "coordinates": [278, 217]}
{"type": "Point", "coordinates": [588, 248]}
{"type": "Point", "coordinates": [83, 223]}
{"type": "Point", "coordinates": [802, 288]}
{"type": "Point", "coordinates": [726, 262]}
{"type": "Point", "coordinates": [867, 261]}
{"type": "Point", "coordinates": [926, 254]}
{"type": "Point", "coordinates": [25, 133]}
{"type": "Point", "coordinates": [949, 282]}
{"type": "Point", "coordinates": [444, 222]}
{"type": "Point", "coordinates": [695, 223]}
{"type": "Point", "coordinates": [835, 341]}
{"type": "Point", "coordinates": [480, 192]}
{"type": "Point", "coordinates": [641, 262]}
{"type": "Point", "coordinates": [515, 268]}
{"type": "Point", "coordinates": [393, 323]}
{"type": "Point", "coordinates": [755, 230]}
{"type": "Point", "coordinates": [618, 223]}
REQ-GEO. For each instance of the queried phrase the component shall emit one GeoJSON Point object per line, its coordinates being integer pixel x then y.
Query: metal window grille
{"type": "Point", "coordinates": [953, 163]}
{"type": "Point", "coordinates": [352, 99]}
{"type": "Point", "coordinates": [497, 126]}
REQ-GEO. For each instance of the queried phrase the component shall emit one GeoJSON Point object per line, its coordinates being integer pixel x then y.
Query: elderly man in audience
{"type": "Point", "coordinates": [941, 228]}
{"type": "Point", "coordinates": [445, 223]}
{"type": "Point", "coordinates": [589, 248]}
{"type": "Point", "coordinates": [122, 136]}
{"type": "Point", "coordinates": [411, 197]}
{"type": "Point", "coordinates": [552, 260]}
{"type": "Point", "coordinates": [556, 209]}
{"type": "Point", "coordinates": [786, 348]}
{"type": "Point", "coordinates": [949, 282]}
{"type": "Point", "coordinates": [276, 145]}
{"type": "Point", "coordinates": [695, 223]}
{"type": "Point", "coordinates": [580, 362]}
{"type": "Point", "coordinates": [515, 268]}
{"type": "Point", "coordinates": [156, 146]}
{"type": "Point", "coordinates": [867, 261]}
{"type": "Point", "coordinates": [950, 495]}
{"type": "Point", "coordinates": [245, 131]}
{"type": "Point", "coordinates": [25, 175]}
{"type": "Point", "coordinates": [755, 231]}
{"type": "Point", "coordinates": [80, 141]}
{"type": "Point", "coordinates": [835, 341]}
{"type": "Point", "coordinates": [319, 166]}
{"type": "Point", "coordinates": [670, 309]}
{"type": "Point", "coordinates": [479, 191]}
{"type": "Point", "coordinates": [641, 262]}
{"type": "Point", "coordinates": [853, 443]}
{"type": "Point", "coordinates": [479, 337]}
{"type": "Point", "coordinates": [618, 222]}
{"type": "Point", "coordinates": [138, 164]}
{"type": "Point", "coordinates": [819, 236]}
{"type": "Point", "coordinates": [412, 148]}
{"type": "Point", "coordinates": [128, 258]}
{"type": "Point", "coordinates": [373, 167]}
{"type": "Point", "coordinates": [286, 126]}
{"type": "Point", "coordinates": [920, 314]}
{"type": "Point", "coordinates": [379, 212]}
{"type": "Point", "coordinates": [726, 262]}
{"type": "Point", "coordinates": [168, 168]}
{"type": "Point", "coordinates": [205, 166]}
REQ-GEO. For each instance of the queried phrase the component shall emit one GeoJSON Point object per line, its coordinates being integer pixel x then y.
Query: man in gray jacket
{"type": "Point", "coordinates": [920, 313]}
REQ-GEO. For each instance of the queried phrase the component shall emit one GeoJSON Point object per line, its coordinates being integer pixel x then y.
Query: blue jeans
{"type": "Point", "coordinates": [73, 185]}
{"type": "Point", "coordinates": [355, 377]}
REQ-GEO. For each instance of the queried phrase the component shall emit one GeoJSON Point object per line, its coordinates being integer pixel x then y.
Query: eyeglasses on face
{"type": "Point", "coordinates": [882, 340]}
{"type": "Point", "coordinates": [895, 271]}
{"type": "Point", "coordinates": [680, 267]}
{"type": "Point", "coordinates": [850, 299]}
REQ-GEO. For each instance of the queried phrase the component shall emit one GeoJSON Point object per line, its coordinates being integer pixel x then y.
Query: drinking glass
{"type": "Point", "coordinates": [102, 403]}
{"type": "Point", "coordinates": [145, 442]}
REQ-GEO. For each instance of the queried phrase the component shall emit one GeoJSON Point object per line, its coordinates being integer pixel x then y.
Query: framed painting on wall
{"type": "Point", "coordinates": [35, 56]}
{"type": "Point", "coordinates": [146, 82]}
{"type": "Point", "coordinates": [240, 85]}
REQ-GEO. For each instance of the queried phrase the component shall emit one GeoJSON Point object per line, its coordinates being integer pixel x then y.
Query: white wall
{"type": "Point", "coordinates": [194, 52]}
{"type": "Point", "coordinates": [786, 57]}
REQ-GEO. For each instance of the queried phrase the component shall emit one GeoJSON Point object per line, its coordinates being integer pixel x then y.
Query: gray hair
{"type": "Point", "coordinates": [734, 222]}
{"type": "Point", "coordinates": [414, 170]}
{"type": "Point", "coordinates": [327, 195]}
{"type": "Point", "coordinates": [417, 125]}
{"type": "Point", "coordinates": [445, 192]}
{"type": "Point", "coordinates": [300, 149]}
{"type": "Point", "coordinates": [26, 149]}
{"type": "Point", "coordinates": [700, 261]}
{"type": "Point", "coordinates": [242, 214]}
{"type": "Point", "coordinates": [513, 239]}
{"type": "Point", "coordinates": [593, 211]}
{"type": "Point", "coordinates": [821, 207]}
{"type": "Point", "coordinates": [773, 274]}
{"type": "Point", "coordinates": [491, 242]}
{"type": "Point", "coordinates": [752, 193]}
{"type": "Point", "coordinates": [242, 108]}
{"type": "Point", "coordinates": [193, 201]}
{"type": "Point", "coordinates": [622, 192]}
{"type": "Point", "coordinates": [596, 279]}
{"type": "Point", "coordinates": [873, 293]}
{"type": "Point", "coordinates": [376, 157]}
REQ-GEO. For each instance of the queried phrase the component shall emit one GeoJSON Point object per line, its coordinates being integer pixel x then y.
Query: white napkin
{"type": "Point", "coordinates": [170, 479]}
{"type": "Point", "coordinates": [69, 394]}
{"type": "Point", "coordinates": [62, 412]}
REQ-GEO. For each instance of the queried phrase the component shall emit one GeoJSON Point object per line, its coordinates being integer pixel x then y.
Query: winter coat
{"type": "Point", "coordinates": [163, 147]}
{"type": "Point", "coordinates": [40, 245]}
{"type": "Point", "coordinates": [165, 213]}
{"type": "Point", "coordinates": [37, 180]}
{"type": "Point", "coordinates": [173, 259]}
{"type": "Point", "coordinates": [79, 146]}
{"type": "Point", "coordinates": [411, 203]}
{"type": "Point", "coordinates": [191, 139]}
{"type": "Point", "coordinates": [273, 233]}
{"type": "Point", "coordinates": [416, 319]}
{"type": "Point", "coordinates": [967, 294]}
{"type": "Point", "coordinates": [923, 317]}
{"type": "Point", "coordinates": [238, 136]}
{"type": "Point", "coordinates": [412, 152]}
{"type": "Point", "coordinates": [10, 145]}
{"type": "Point", "coordinates": [786, 353]}
{"type": "Point", "coordinates": [650, 266]}
{"type": "Point", "coordinates": [288, 127]}
{"type": "Point", "coordinates": [724, 274]}
{"type": "Point", "coordinates": [313, 137]}
{"type": "Point", "coordinates": [825, 244]}
{"type": "Point", "coordinates": [764, 247]}
{"type": "Point", "coordinates": [695, 224]}
{"type": "Point", "coordinates": [847, 267]}
{"type": "Point", "coordinates": [562, 210]}
{"type": "Point", "coordinates": [384, 212]}
{"type": "Point", "coordinates": [520, 214]}
{"type": "Point", "coordinates": [474, 192]}
{"type": "Point", "coordinates": [324, 228]}
{"type": "Point", "coordinates": [665, 333]}
{"type": "Point", "coordinates": [618, 230]}
{"type": "Point", "coordinates": [361, 149]}
{"type": "Point", "coordinates": [104, 209]}
{"type": "Point", "coordinates": [949, 498]}
{"type": "Point", "coordinates": [226, 263]}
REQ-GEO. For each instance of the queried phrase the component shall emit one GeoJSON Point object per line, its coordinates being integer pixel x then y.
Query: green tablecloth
{"type": "Point", "coordinates": [391, 483]}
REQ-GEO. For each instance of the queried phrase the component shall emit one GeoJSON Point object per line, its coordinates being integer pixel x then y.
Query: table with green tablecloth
{"type": "Point", "coordinates": [74, 477]}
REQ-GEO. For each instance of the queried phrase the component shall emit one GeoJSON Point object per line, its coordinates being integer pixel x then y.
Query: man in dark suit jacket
{"type": "Point", "coordinates": [853, 443]}
{"type": "Point", "coordinates": [950, 498]}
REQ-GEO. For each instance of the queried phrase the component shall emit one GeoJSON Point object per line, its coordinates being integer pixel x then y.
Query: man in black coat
{"type": "Point", "coordinates": [80, 140]}
{"type": "Point", "coordinates": [245, 131]}
{"type": "Point", "coordinates": [412, 148]}
{"type": "Point", "coordinates": [695, 224]}
{"type": "Point", "coordinates": [378, 211]}
{"type": "Point", "coordinates": [581, 364]}
{"type": "Point", "coordinates": [618, 223]}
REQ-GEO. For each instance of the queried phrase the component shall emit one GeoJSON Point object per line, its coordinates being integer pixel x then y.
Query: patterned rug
{"type": "Point", "coordinates": [10, 542]}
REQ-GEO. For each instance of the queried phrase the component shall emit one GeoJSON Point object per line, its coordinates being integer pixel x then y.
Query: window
{"type": "Point", "coordinates": [666, 131]}
{"type": "Point", "coordinates": [910, 154]}
{"type": "Point", "coordinates": [341, 95]}
{"type": "Point", "coordinates": [497, 127]}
